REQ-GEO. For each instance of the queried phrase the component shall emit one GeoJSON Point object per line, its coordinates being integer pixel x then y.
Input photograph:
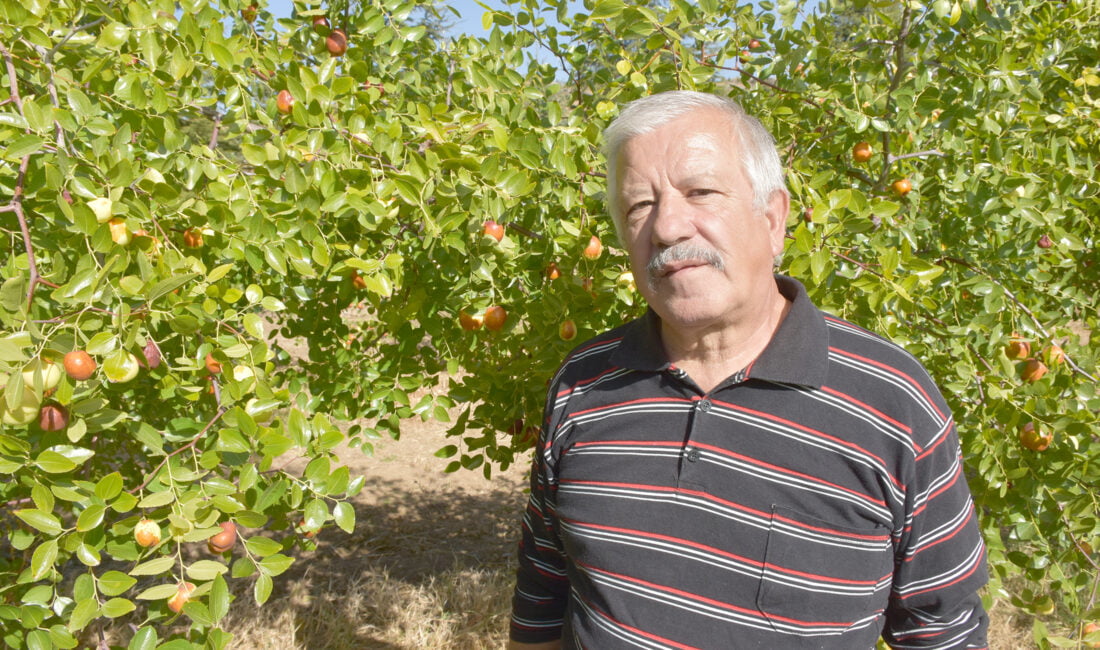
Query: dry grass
{"type": "Point", "coordinates": [464, 609]}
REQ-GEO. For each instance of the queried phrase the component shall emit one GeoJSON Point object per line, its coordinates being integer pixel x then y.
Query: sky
{"type": "Point", "coordinates": [470, 12]}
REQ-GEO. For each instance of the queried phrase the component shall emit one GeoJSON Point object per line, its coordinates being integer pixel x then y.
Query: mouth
{"type": "Point", "coordinates": [679, 265]}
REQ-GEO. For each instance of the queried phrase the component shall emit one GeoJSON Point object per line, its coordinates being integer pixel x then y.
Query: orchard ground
{"type": "Point", "coordinates": [429, 566]}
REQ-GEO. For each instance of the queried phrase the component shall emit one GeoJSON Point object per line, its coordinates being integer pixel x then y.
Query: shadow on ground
{"type": "Point", "coordinates": [428, 567]}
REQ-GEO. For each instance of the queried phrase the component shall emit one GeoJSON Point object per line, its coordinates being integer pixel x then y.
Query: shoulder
{"type": "Point", "coordinates": [595, 354]}
{"type": "Point", "coordinates": [883, 373]}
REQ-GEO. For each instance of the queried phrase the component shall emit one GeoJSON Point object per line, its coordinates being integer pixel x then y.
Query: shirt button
{"type": "Point", "coordinates": [704, 406]}
{"type": "Point", "coordinates": [693, 455]}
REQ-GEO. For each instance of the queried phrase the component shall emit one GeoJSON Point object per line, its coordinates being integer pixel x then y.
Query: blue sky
{"type": "Point", "coordinates": [470, 12]}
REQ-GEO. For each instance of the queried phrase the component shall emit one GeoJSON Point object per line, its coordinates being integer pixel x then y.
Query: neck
{"type": "Point", "coordinates": [711, 353]}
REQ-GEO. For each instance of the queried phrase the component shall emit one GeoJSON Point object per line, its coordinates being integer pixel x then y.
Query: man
{"type": "Point", "coordinates": [737, 469]}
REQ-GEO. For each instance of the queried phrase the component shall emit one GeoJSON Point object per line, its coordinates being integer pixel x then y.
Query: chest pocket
{"type": "Point", "coordinates": [820, 580]}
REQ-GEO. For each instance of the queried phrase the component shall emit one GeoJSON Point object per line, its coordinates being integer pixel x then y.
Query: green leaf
{"type": "Point", "coordinates": [205, 570]}
{"type": "Point", "coordinates": [276, 564]}
{"type": "Point", "coordinates": [144, 639]}
{"type": "Point", "coordinates": [43, 559]}
{"type": "Point", "coordinates": [23, 146]}
{"type": "Point", "coordinates": [218, 599]}
{"type": "Point", "coordinates": [83, 613]}
{"type": "Point", "coordinates": [261, 591]}
{"type": "Point", "coordinates": [91, 518]}
{"type": "Point", "coordinates": [109, 486]}
{"type": "Point", "coordinates": [344, 514]}
{"type": "Point", "coordinates": [116, 607]}
{"type": "Point", "coordinates": [262, 546]}
{"type": "Point", "coordinates": [113, 583]}
{"type": "Point", "coordinates": [153, 567]}
{"type": "Point", "coordinates": [157, 499]}
{"type": "Point", "coordinates": [45, 522]}
{"type": "Point", "coordinates": [158, 592]}
{"type": "Point", "coordinates": [52, 462]}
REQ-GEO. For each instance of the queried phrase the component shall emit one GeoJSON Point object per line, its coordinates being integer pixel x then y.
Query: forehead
{"type": "Point", "coordinates": [700, 142]}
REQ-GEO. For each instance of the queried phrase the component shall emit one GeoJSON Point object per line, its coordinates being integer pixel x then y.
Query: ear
{"type": "Point", "coordinates": [776, 212]}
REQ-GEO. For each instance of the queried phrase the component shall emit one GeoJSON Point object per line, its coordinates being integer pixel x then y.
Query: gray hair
{"type": "Point", "coordinates": [759, 158]}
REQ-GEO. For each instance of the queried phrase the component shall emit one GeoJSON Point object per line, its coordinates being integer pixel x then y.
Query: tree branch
{"type": "Point", "coordinates": [1024, 308]}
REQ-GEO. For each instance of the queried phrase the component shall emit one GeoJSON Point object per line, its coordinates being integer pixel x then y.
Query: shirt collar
{"type": "Point", "coordinates": [797, 354]}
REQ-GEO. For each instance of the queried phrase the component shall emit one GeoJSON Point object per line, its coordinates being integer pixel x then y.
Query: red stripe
{"type": "Point", "coordinates": [648, 635]}
{"type": "Point", "coordinates": [709, 601]}
{"type": "Point", "coordinates": [733, 505]}
{"type": "Point", "coordinates": [820, 434]}
{"type": "Point", "coordinates": [869, 408]}
{"type": "Point", "coordinates": [727, 554]}
{"type": "Point", "coordinates": [647, 400]}
{"type": "Point", "coordinates": [945, 585]}
{"type": "Point", "coordinates": [895, 371]}
{"type": "Point", "coordinates": [958, 529]}
{"type": "Point", "coordinates": [812, 479]}
{"type": "Point", "coordinates": [936, 443]}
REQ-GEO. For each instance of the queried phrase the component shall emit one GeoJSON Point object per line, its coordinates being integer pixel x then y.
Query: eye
{"type": "Point", "coordinates": [639, 205]}
{"type": "Point", "coordinates": [702, 191]}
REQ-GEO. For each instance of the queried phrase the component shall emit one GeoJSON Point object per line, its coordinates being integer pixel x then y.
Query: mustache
{"type": "Point", "coordinates": [680, 253]}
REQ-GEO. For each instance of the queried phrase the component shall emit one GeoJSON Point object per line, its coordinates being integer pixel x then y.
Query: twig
{"type": "Point", "coordinates": [79, 28]}
{"type": "Point", "coordinates": [1021, 305]}
{"type": "Point", "coordinates": [916, 154]}
{"type": "Point", "coordinates": [190, 445]}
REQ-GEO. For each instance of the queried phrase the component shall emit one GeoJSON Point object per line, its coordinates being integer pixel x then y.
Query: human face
{"type": "Point", "coordinates": [685, 204]}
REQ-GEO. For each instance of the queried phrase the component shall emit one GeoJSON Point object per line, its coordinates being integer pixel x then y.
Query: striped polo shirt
{"type": "Point", "coordinates": [816, 499]}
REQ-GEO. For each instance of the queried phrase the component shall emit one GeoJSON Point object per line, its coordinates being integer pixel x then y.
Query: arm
{"type": "Point", "coordinates": [542, 586]}
{"type": "Point", "coordinates": [940, 564]}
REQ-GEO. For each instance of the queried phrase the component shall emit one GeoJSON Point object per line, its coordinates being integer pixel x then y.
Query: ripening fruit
{"type": "Point", "coordinates": [902, 186]}
{"type": "Point", "coordinates": [48, 371]}
{"type": "Point", "coordinates": [151, 352]}
{"type": "Point", "coordinates": [336, 42]}
{"type": "Point", "coordinates": [320, 25]}
{"type": "Point", "coordinates": [1089, 629]}
{"type": "Point", "coordinates": [225, 540]}
{"type": "Point", "coordinates": [213, 366]}
{"type": "Point", "coordinates": [552, 271]}
{"type": "Point", "coordinates": [567, 330]}
{"type": "Point", "coordinates": [1033, 370]}
{"type": "Point", "coordinates": [23, 413]}
{"type": "Point", "coordinates": [753, 44]}
{"type": "Point", "coordinates": [192, 238]}
{"type": "Point", "coordinates": [861, 153]}
{"type": "Point", "coordinates": [495, 317]}
{"type": "Point", "coordinates": [79, 365]}
{"type": "Point", "coordinates": [284, 101]}
{"type": "Point", "coordinates": [180, 598]}
{"type": "Point", "coordinates": [53, 417]}
{"type": "Point", "coordinates": [1054, 354]}
{"type": "Point", "coordinates": [147, 533]}
{"type": "Point", "coordinates": [249, 13]}
{"type": "Point", "coordinates": [1045, 241]}
{"type": "Point", "coordinates": [493, 229]}
{"type": "Point", "coordinates": [1031, 438]}
{"type": "Point", "coordinates": [357, 281]}
{"type": "Point", "coordinates": [103, 209]}
{"type": "Point", "coordinates": [468, 321]}
{"type": "Point", "coordinates": [1018, 350]}
{"type": "Point", "coordinates": [120, 367]}
{"type": "Point", "coordinates": [594, 248]}
{"type": "Point", "coordinates": [120, 232]}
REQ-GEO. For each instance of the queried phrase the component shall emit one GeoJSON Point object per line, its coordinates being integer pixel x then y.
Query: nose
{"type": "Point", "coordinates": [671, 221]}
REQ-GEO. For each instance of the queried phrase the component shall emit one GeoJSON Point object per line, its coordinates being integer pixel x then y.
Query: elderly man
{"type": "Point", "coordinates": [737, 469]}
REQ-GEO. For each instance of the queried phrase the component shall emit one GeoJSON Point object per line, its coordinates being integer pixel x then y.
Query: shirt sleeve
{"type": "Point", "coordinates": [542, 587]}
{"type": "Point", "coordinates": [941, 562]}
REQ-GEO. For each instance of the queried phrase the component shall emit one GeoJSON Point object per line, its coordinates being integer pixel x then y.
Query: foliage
{"type": "Point", "coordinates": [371, 192]}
